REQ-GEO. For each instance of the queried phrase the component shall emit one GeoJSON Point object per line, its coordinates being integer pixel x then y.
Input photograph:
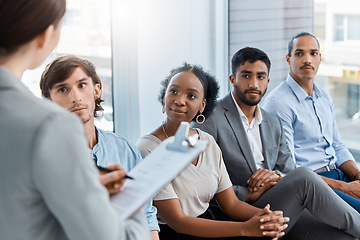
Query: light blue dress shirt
{"type": "Point", "coordinates": [112, 148]}
{"type": "Point", "coordinates": [309, 124]}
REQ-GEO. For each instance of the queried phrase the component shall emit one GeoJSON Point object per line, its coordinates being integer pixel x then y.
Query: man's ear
{"type": "Point", "coordinates": [44, 38]}
{"type": "Point", "coordinates": [232, 79]}
{"type": "Point", "coordinates": [97, 91]}
{"type": "Point", "coordinates": [288, 59]}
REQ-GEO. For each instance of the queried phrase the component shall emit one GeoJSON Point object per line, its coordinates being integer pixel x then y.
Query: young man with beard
{"type": "Point", "coordinates": [74, 84]}
{"type": "Point", "coordinates": [257, 157]}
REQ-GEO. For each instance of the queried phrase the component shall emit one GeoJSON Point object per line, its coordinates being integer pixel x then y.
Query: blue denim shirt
{"type": "Point", "coordinates": [112, 148]}
{"type": "Point", "coordinates": [309, 124]}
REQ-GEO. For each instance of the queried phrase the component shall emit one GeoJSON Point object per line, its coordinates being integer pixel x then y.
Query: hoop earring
{"type": "Point", "coordinates": [163, 108]}
{"type": "Point", "coordinates": [201, 116]}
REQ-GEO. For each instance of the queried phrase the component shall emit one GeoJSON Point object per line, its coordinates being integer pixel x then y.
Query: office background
{"type": "Point", "coordinates": [135, 43]}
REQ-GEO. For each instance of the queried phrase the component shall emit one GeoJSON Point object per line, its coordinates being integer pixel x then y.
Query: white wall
{"type": "Point", "coordinates": [161, 34]}
{"type": "Point", "coordinates": [343, 52]}
{"type": "Point", "coordinates": [170, 33]}
{"type": "Point", "coordinates": [268, 25]}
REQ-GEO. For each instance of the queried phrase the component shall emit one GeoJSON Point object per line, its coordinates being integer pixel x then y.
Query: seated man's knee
{"type": "Point", "coordinates": [304, 173]}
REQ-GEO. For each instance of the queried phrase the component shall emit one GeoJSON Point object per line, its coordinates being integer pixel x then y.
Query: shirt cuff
{"type": "Point", "coordinates": [154, 226]}
{"type": "Point", "coordinates": [280, 174]}
{"type": "Point", "coordinates": [343, 156]}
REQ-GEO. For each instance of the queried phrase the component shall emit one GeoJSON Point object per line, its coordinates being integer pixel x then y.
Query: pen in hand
{"type": "Point", "coordinates": [110, 170]}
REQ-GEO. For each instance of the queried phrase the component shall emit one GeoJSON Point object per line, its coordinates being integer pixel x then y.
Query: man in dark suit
{"type": "Point", "coordinates": [257, 156]}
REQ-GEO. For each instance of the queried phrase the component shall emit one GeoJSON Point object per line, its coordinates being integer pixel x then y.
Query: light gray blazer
{"type": "Point", "coordinates": [225, 125]}
{"type": "Point", "coordinates": [49, 187]}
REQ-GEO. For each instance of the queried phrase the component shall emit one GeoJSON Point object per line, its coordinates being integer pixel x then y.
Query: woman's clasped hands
{"type": "Point", "coordinates": [268, 223]}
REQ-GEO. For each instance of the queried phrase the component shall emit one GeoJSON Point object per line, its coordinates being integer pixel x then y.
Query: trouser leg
{"type": "Point", "coordinates": [336, 174]}
{"type": "Point", "coordinates": [308, 227]}
{"type": "Point", "coordinates": [303, 188]}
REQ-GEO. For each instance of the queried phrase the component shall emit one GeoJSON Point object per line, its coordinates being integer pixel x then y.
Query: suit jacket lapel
{"type": "Point", "coordinates": [233, 117]}
{"type": "Point", "coordinates": [264, 132]}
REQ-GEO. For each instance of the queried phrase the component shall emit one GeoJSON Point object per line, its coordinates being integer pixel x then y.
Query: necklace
{"type": "Point", "coordinates": [162, 125]}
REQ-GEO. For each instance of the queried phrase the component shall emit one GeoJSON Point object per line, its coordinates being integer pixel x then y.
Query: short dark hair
{"type": "Point", "coordinates": [300, 34]}
{"type": "Point", "coordinates": [210, 85]}
{"type": "Point", "coordinates": [61, 68]}
{"type": "Point", "coordinates": [248, 54]}
{"type": "Point", "coordinates": [22, 20]}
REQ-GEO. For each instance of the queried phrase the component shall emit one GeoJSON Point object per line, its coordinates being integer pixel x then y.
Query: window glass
{"type": "Point", "coordinates": [353, 27]}
{"type": "Point", "coordinates": [319, 25]}
{"type": "Point", "coordinates": [339, 71]}
{"type": "Point", "coordinates": [86, 33]}
{"type": "Point", "coordinates": [338, 28]}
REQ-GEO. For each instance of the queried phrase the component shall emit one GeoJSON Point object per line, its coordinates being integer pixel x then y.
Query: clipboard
{"type": "Point", "coordinates": [156, 170]}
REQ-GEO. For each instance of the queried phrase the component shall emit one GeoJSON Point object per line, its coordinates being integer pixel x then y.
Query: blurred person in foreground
{"type": "Point", "coordinates": [49, 187]}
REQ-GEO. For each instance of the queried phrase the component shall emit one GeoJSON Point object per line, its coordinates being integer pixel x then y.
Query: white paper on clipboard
{"type": "Point", "coordinates": [156, 170]}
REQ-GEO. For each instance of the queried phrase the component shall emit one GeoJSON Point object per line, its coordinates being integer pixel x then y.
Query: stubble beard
{"type": "Point", "coordinates": [242, 97]}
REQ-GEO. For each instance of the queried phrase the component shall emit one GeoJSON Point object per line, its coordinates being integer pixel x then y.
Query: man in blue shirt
{"type": "Point", "coordinates": [74, 84]}
{"type": "Point", "coordinates": [308, 117]}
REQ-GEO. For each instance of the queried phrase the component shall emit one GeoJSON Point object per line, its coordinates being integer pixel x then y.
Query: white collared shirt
{"type": "Point", "coordinates": [253, 133]}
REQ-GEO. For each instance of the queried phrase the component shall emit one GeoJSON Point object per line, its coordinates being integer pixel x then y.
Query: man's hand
{"type": "Point", "coordinates": [261, 178]}
{"type": "Point", "coordinates": [253, 196]}
{"type": "Point", "coordinates": [352, 189]}
{"type": "Point", "coordinates": [113, 181]}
